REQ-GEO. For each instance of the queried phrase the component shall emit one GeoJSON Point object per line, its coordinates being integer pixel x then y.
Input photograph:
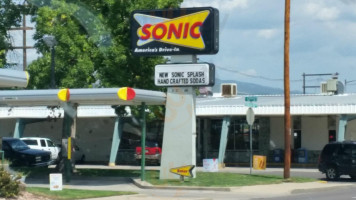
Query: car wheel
{"type": "Point", "coordinates": [332, 173]}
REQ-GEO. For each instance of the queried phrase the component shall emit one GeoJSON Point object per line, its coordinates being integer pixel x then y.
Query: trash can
{"type": "Point", "coordinates": [302, 154]}
{"type": "Point", "coordinates": [278, 155]}
{"type": "Point", "coordinates": [259, 162]}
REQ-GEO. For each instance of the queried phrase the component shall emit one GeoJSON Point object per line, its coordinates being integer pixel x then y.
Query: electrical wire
{"type": "Point", "coordinates": [266, 78]}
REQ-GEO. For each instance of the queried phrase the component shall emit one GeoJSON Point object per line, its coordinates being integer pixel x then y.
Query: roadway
{"type": "Point", "coordinates": [330, 194]}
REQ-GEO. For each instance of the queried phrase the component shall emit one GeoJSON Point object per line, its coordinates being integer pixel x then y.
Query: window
{"type": "Point", "coordinates": [30, 142]}
{"type": "Point", "coordinates": [238, 134]}
{"type": "Point", "coordinates": [5, 147]}
{"type": "Point", "coordinates": [43, 143]}
{"type": "Point", "coordinates": [216, 126]}
{"type": "Point", "coordinates": [50, 143]}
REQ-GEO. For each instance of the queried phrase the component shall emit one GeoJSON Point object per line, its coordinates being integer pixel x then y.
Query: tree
{"type": "Point", "coordinates": [93, 43]}
{"type": "Point", "coordinates": [10, 15]}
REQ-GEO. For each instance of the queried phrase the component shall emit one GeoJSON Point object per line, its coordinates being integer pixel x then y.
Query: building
{"type": "Point", "coordinates": [221, 121]}
{"type": "Point", "coordinates": [316, 120]}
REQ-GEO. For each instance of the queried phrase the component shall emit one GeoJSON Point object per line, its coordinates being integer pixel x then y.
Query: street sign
{"type": "Point", "coordinates": [251, 98]}
{"type": "Point", "coordinates": [183, 171]}
{"type": "Point", "coordinates": [55, 182]}
{"type": "Point", "coordinates": [251, 104]}
{"type": "Point", "coordinates": [250, 101]}
{"type": "Point", "coordinates": [199, 74]}
{"type": "Point", "coordinates": [250, 116]}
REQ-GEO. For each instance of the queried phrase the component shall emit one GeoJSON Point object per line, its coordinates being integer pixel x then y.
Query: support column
{"type": "Point", "coordinates": [143, 141]}
{"type": "Point", "coordinates": [19, 128]}
{"type": "Point", "coordinates": [223, 141]}
{"type": "Point", "coordinates": [206, 135]}
{"type": "Point", "coordinates": [342, 128]}
{"type": "Point", "coordinates": [68, 130]}
{"type": "Point", "coordinates": [115, 143]}
{"type": "Point", "coordinates": [199, 140]}
{"type": "Point", "coordinates": [264, 136]}
{"type": "Point", "coordinates": [179, 139]}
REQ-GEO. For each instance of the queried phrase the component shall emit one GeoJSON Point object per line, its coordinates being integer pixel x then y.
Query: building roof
{"type": "Point", "coordinates": [267, 105]}
{"type": "Point", "coordinates": [310, 104]}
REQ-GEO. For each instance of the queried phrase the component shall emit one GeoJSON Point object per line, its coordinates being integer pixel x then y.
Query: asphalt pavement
{"type": "Point", "coordinates": [144, 188]}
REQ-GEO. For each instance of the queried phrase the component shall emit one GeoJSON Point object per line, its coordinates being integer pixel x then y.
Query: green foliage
{"type": "Point", "coordinates": [10, 15]}
{"type": "Point", "coordinates": [93, 44]}
{"type": "Point", "coordinates": [9, 186]}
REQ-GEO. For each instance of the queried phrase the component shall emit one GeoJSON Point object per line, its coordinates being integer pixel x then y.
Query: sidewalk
{"type": "Point", "coordinates": [136, 185]}
{"type": "Point", "coordinates": [258, 191]}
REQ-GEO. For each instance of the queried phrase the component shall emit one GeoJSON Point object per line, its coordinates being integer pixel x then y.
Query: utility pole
{"type": "Point", "coordinates": [287, 120]}
{"type": "Point", "coordinates": [346, 82]}
{"type": "Point", "coordinates": [24, 46]}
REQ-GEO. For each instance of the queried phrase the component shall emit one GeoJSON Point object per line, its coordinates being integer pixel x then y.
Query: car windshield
{"type": "Point", "coordinates": [151, 144]}
{"type": "Point", "coordinates": [18, 145]}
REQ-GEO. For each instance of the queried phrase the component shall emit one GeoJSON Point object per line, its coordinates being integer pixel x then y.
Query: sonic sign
{"type": "Point", "coordinates": [175, 32]}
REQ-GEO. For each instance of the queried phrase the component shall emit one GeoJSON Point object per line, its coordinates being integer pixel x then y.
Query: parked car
{"type": "Point", "coordinates": [152, 152]}
{"type": "Point", "coordinates": [19, 153]}
{"type": "Point", "coordinates": [338, 158]}
{"type": "Point", "coordinates": [44, 144]}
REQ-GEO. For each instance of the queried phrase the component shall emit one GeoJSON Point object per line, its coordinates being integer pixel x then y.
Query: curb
{"type": "Point", "coordinates": [146, 185]}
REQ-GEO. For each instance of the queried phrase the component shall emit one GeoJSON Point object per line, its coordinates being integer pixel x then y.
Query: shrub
{"type": "Point", "coordinates": [9, 185]}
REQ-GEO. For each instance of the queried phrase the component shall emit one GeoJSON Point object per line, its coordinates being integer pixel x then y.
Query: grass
{"type": "Point", "coordinates": [69, 194]}
{"type": "Point", "coordinates": [207, 179]}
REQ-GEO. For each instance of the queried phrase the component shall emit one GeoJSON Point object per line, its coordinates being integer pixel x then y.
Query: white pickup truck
{"type": "Point", "coordinates": [44, 144]}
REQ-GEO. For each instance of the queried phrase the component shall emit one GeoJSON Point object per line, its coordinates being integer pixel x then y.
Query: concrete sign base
{"type": "Point", "coordinates": [179, 138]}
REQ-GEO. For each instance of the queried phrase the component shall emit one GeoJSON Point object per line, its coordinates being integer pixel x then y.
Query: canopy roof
{"type": "Point", "coordinates": [314, 104]}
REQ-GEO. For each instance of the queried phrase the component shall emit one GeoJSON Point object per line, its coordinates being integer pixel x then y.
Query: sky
{"type": "Point", "coordinates": [322, 41]}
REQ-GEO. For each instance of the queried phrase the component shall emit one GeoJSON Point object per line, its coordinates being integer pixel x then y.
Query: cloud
{"type": "Point", "coordinates": [321, 12]}
{"type": "Point", "coordinates": [222, 5]}
{"type": "Point", "coordinates": [267, 33]}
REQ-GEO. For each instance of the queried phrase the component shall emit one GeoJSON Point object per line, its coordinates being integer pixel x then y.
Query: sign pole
{"type": "Point", "coordinates": [250, 118]}
{"type": "Point", "coordinates": [143, 141]}
{"type": "Point", "coordinates": [181, 178]}
{"type": "Point", "coordinates": [250, 149]}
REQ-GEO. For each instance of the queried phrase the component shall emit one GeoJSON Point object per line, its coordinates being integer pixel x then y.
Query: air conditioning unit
{"type": "Point", "coordinates": [229, 89]}
{"type": "Point", "coordinates": [331, 85]}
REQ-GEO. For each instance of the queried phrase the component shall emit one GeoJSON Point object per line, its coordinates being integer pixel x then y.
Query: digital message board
{"type": "Point", "coordinates": [175, 31]}
{"type": "Point", "coordinates": [200, 74]}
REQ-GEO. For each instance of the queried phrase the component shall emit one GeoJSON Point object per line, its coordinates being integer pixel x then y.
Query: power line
{"type": "Point", "coordinates": [264, 77]}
